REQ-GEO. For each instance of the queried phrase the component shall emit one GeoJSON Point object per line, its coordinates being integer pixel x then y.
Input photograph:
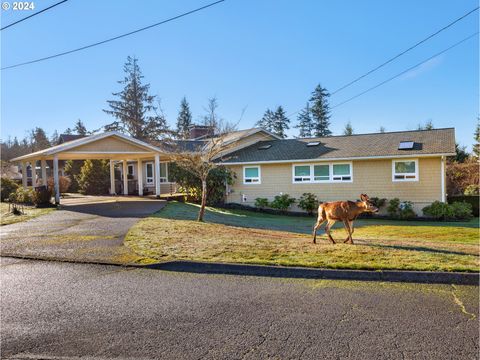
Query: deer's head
{"type": "Point", "coordinates": [367, 204]}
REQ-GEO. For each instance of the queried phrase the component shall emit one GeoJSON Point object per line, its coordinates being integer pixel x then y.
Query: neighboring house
{"type": "Point", "coordinates": [409, 165]}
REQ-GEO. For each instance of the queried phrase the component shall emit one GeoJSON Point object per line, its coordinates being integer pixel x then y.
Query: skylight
{"type": "Point", "coordinates": [406, 145]}
{"type": "Point", "coordinates": [313, 143]}
{"type": "Point", "coordinates": [265, 147]}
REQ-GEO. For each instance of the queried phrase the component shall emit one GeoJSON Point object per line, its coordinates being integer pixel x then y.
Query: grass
{"type": "Point", "coordinates": [239, 236]}
{"type": "Point", "coordinates": [29, 212]}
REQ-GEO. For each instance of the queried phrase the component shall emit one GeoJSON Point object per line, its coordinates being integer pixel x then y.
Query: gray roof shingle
{"type": "Point", "coordinates": [426, 142]}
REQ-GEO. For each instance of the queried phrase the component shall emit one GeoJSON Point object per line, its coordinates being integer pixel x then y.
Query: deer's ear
{"type": "Point", "coordinates": [362, 197]}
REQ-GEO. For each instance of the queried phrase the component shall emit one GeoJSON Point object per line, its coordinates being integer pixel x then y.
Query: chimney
{"type": "Point", "coordinates": [197, 131]}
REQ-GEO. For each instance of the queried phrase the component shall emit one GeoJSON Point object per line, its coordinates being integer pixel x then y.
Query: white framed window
{"type": "Point", "coordinates": [405, 170]}
{"type": "Point", "coordinates": [163, 172]}
{"type": "Point", "coordinates": [251, 175]}
{"type": "Point", "coordinates": [130, 169]}
{"type": "Point", "coordinates": [322, 173]}
{"type": "Point", "coordinates": [149, 179]}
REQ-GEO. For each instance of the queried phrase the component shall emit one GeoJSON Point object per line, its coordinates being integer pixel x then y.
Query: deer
{"type": "Point", "coordinates": [345, 211]}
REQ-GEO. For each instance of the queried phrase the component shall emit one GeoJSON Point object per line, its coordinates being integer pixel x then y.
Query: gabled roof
{"type": "Point", "coordinates": [378, 145]}
{"type": "Point", "coordinates": [85, 140]}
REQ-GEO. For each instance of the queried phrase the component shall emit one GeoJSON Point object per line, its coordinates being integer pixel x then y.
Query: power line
{"type": "Point", "coordinates": [32, 15]}
{"type": "Point", "coordinates": [405, 51]}
{"type": "Point", "coordinates": [114, 38]}
{"type": "Point", "coordinates": [405, 71]}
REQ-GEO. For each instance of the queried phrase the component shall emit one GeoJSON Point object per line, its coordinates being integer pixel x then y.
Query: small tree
{"type": "Point", "coordinates": [476, 146]}
{"type": "Point", "coordinates": [348, 129]}
{"type": "Point", "coordinates": [320, 111]}
{"type": "Point", "coordinates": [280, 124]}
{"type": "Point", "coordinates": [94, 177]}
{"type": "Point", "coordinates": [184, 119]}
{"type": "Point", "coordinates": [305, 122]}
{"type": "Point", "coordinates": [72, 169]}
{"type": "Point", "coordinates": [267, 122]}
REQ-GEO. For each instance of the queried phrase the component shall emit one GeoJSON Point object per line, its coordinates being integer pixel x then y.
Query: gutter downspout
{"type": "Point", "coordinates": [442, 174]}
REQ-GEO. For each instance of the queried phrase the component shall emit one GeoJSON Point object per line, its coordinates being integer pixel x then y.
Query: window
{"type": "Point", "coordinates": [251, 175]}
{"type": "Point", "coordinates": [313, 143]}
{"type": "Point", "coordinates": [322, 173]}
{"type": "Point", "coordinates": [405, 170]}
{"type": "Point", "coordinates": [406, 145]}
{"type": "Point", "coordinates": [163, 173]}
{"type": "Point", "coordinates": [130, 170]}
{"type": "Point", "coordinates": [149, 173]}
{"type": "Point", "coordinates": [302, 173]}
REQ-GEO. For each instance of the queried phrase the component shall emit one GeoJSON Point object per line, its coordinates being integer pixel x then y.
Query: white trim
{"type": "Point", "coordinates": [405, 174]}
{"type": "Point", "coordinates": [330, 173]}
{"type": "Point", "coordinates": [442, 181]}
{"type": "Point", "coordinates": [259, 178]}
{"type": "Point", "coordinates": [146, 174]}
{"type": "Point", "coordinates": [334, 159]}
{"type": "Point", "coordinates": [105, 152]}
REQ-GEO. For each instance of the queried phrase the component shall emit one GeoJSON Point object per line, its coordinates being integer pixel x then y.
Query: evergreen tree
{"type": "Point", "coordinates": [381, 130]}
{"type": "Point", "coordinates": [476, 146]}
{"type": "Point", "coordinates": [39, 139]}
{"type": "Point", "coordinates": [72, 169]}
{"type": "Point", "coordinates": [320, 111]}
{"type": "Point", "coordinates": [267, 121]}
{"type": "Point", "coordinates": [54, 138]}
{"type": "Point", "coordinates": [348, 129]}
{"type": "Point", "coordinates": [68, 131]}
{"type": "Point", "coordinates": [280, 124]}
{"type": "Point", "coordinates": [184, 119]}
{"type": "Point", "coordinates": [134, 108]}
{"type": "Point", "coordinates": [305, 122]}
{"type": "Point", "coordinates": [428, 126]}
{"type": "Point", "coordinates": [94, 177]}
{"type": "Point", "coordinates": [80, 128]}
{"type": "Point", "coordinates": [461, 153]}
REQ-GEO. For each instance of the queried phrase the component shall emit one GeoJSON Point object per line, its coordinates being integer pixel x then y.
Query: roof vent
{"type": "Point", "coordinates": [265, 147]}
{"type": "Point", "coordinates": [313, 143]}
{"type": "Point", "coordinates": [405, 145]}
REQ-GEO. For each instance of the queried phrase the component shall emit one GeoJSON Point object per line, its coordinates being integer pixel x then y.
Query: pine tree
{"type": "Point", "coordinates": [320, 111]}
{"type": "Point", "coordinates": [280, 124]}
{"type": "Point", "coordinates": [348, 129]}
{"type": "Point", "coordinates": [72, 169]}
{"type": "Point", "coordinates": [267, 121]}
{"type": "Point", "coordinates": [80, 128]}
{"type": "Point", "coordinates": [476, 146]}
{"type": "Point", "coordinates": [39, 139]}
{"type": "Point", "coordinates": [94, 177]}
{"type": "Point", "coordinates": [184, 119]}
{"type": "Point", "coordinates": [429, 125]}
{"type": "Point", "coordinates": [54, 138]}
{"type": "Point", "coordinates": [382, 129]}
{"type": "Point", "coordinates": [305, 122]}
{"type": "Point", "coordinates": [134, 108]}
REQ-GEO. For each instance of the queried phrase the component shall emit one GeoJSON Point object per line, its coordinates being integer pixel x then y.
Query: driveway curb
{"type": "Point", "coordinates": [426, 277]}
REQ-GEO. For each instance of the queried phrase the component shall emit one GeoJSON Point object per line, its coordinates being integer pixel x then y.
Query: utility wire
{"type": "Point", "coordinates": [405, 71]}
{"type": "Point", "coordinates": [114, 38]}
{"type": "Point", "coordinates": [405, 51]}
{"type": "Point", "coordinates": [32, 15]}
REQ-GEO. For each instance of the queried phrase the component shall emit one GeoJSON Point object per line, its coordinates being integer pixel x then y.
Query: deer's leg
{"type": "Point", "coordinates": [349, 230]}
{"type": "Point", "coordinates": [319, 223]}
{"type": "Point", "coordinates": [327, 230]}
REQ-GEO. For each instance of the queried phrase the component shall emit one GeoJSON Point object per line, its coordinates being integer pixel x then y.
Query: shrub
{"type": "Point", "coordinates": [378, 202]}
{"type": "Point", "coordinates": [94, 177]}
{"type": "Point", "coordinates": [455, 211]}
{"type": "Point", "coordinates": [64, 183]}
{"type": "Point", "coordinates": [473, 200]}
{"type": "Point", "coordinates": [471, 190]}
{"type": "Point", "coordinates": [282, 202]}
{"type": "Point", "coordinates": [72, 169]}
{"type": "Point", "coordinates": [308, 202]}
{"type": "Point", "coordinates": [261, 203]}
{"type": "Point", "coordinates": [8, 186]}
{"type": "Point", "coordinates": [23, 196]}
{"type": "Point", "coordinates": [42, 196]}
{"type": "Point", "coordinates": [400, 209]}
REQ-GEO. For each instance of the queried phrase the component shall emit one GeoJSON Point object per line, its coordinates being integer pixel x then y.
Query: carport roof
{"type": "Point", "coordinates": [70, 145]}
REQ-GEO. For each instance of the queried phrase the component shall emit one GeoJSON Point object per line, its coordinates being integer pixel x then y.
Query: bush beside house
{"type": "Point", "coordinates": [8, 186]}
{"type": "Point", "coordinates": [454, 211]}
{"type": "Point", "coordinates": [94, 177]}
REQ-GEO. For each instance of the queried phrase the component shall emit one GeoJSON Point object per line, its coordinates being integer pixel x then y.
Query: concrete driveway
{"type": "Point", "coordinates": [84, 229]}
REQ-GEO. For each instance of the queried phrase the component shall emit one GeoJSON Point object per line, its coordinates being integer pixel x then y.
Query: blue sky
{"type": "Point", "coordinates": [249, 54]}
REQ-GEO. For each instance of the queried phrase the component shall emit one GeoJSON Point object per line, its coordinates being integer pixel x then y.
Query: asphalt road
{"type": "Point", "coordinates": [54, 310]}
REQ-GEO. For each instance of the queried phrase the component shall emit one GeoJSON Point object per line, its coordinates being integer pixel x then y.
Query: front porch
{"type": "Point", "coordinates": [142, 169]}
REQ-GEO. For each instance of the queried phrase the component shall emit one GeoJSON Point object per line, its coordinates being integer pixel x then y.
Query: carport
{"type": "Point", "coordinates": [113, 146]}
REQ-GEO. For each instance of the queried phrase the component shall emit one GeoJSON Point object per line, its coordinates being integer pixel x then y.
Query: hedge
{"type": "Point", "coordinates": [471, 199]}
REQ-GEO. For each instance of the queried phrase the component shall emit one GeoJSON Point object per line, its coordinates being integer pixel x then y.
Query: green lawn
{"type": "Point", "coordinates": [30, 212]}
{"type": "Point", "coordinates": [256, 238]}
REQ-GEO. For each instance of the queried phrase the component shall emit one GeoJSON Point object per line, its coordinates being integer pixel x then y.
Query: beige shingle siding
{"type": "Point", "coordinates": [110, 144]}
{"type": "Point", "coordinates": [427, 142]}
{"type": "Point", "coordinates": [373, 177]}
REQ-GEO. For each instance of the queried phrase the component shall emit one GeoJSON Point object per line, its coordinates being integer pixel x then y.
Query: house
{"type": "Point", "coordinates": [409, 165]}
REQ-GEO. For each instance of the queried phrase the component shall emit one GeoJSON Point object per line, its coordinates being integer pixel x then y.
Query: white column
{"type": "Point", "coordinates": [125, 177]}
{"type": "Point", "coordinates": [33, 165]}
{"type": "Point", "coordinates": [442, 174]}
{"type": "Point", "coordinates": [140, 177]}
{"type": "Point", "coordinates": [157, 175]}
{"type": "Point", "coordinates": [24, 174]}
{"type": "Point", "coordinates": [55, 180]}
{"type": "Point", "coordinates": [112, 178]}
{"type": "Point", "coordinates": [43, 165]}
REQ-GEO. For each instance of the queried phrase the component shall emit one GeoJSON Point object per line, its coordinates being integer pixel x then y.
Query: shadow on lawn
{"type": "Point", "coordinates": [421, 248]}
